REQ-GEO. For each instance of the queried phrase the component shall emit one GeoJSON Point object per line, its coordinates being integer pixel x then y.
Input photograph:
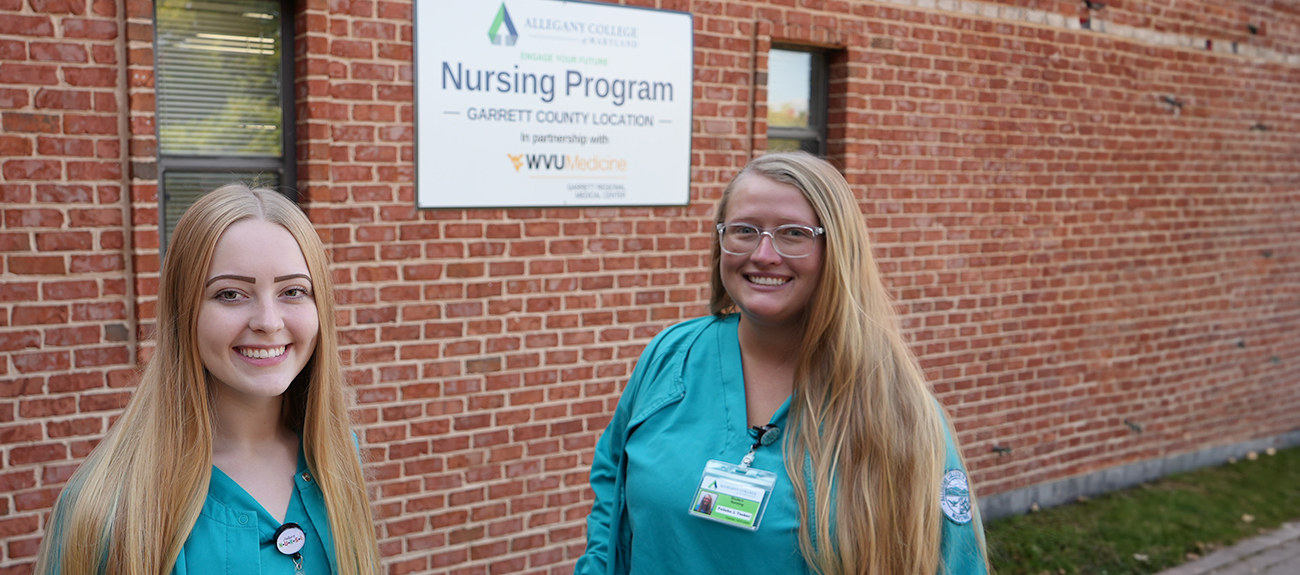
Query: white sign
{"type": "Point", "coordinates": [530, 103]}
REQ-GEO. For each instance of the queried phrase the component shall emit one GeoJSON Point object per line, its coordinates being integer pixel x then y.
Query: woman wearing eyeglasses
{"type": "Point", "coordinates": [796, 409]}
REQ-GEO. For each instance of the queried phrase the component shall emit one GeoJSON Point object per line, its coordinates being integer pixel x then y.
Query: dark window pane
{"type": "Point", "coordinates": [784, 145]}
{"type": "Point", "coordinates": [788, 85]}
{"type": "Point", "coordinates": [182, 189]}
{"type": "Point", "coordinates": [218, 78]}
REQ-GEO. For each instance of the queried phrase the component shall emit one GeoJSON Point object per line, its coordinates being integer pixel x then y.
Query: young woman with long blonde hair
{"type": "Point", "coordinates": [235, 453]}
{"type": "Point", "coordinates": [796, 409]}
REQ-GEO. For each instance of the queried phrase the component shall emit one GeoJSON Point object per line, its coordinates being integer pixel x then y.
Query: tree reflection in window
{"type": "Point", "coordinates": [796, 101]}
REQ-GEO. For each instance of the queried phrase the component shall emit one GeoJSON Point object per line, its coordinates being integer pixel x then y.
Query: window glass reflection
{"type": "Point", "coordinates": [218, 77]}
{"type": "Point", "coordinates": [783, 145]}
{"type": "Point", "coordinates": [788, 83]}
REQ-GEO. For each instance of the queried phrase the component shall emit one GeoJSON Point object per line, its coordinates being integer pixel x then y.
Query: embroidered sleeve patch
{"type": "Point", "coordinates": [955, 500]}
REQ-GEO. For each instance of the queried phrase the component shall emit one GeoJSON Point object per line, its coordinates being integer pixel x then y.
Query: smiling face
{"type": "Point", "coordinates": [770, 290]}
{"type": "Point", "coordinates": [257, 323]}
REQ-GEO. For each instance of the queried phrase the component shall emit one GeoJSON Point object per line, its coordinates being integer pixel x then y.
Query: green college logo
{"type": "Point", "coordinates": [495, 34]}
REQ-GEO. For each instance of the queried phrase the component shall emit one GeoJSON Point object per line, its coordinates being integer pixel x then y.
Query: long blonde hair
{"type": "Point", "coordinates": [130, 507]}
{"type": "Point", "coordinates": [868, 436]}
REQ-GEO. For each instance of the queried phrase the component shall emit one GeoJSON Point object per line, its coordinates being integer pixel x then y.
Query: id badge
{"type": "Point", "coordinates": [732, 494]}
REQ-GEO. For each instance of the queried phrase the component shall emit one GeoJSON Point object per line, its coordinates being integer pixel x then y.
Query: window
{"type": "Point", "coordinates": [224, 98]}
{"type": "Point", "coordinates": [796, 101]}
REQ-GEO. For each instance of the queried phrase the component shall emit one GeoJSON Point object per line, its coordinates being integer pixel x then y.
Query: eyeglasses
{"type": "Point", "coordinates": [790, 240]}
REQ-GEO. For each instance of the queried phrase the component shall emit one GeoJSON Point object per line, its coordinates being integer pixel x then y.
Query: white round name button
{"type": "Point", "coordinates": [290, 538]}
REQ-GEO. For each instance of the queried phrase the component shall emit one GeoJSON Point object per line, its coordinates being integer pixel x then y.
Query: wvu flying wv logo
{"type": "Point", "coordinates": [571, 162]}
{"type": "Point", "coordinates": [494, 32]}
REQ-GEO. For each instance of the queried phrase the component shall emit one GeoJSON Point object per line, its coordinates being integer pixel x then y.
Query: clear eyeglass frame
{"type": "Point", "coordinates": [781, 243]}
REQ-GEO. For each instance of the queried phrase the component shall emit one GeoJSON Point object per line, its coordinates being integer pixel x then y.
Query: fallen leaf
{"type": "Point", "coordinates": [1232, 460]}
{"type": "Point", "coordinates": [1270, 451]}
{"type": "Point", "coordinates": [1141, 557]}
{"type": "Point", "coordinates": [1033, 508]}
{"type": "Point", "coordinates": [1248, 518]}
{"type": "Point", "coordinates": [1252, 456]}
{"type": "Point", "coordinates": [1192, 556]}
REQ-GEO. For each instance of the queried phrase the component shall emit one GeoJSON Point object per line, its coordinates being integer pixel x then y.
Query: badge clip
{"type": "Point", "coordinates": [289, 539]}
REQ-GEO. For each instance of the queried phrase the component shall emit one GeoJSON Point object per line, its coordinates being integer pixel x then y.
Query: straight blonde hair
{"type": "Point", "coordinates": [131, 506]}
{"type": "Point", "coordinates": [868, 436]}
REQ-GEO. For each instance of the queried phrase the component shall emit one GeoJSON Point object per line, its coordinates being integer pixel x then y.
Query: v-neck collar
{"type": "Point", "coordinates": [733, 384]}
{"type": "Point", "coordinates": [232, 493]}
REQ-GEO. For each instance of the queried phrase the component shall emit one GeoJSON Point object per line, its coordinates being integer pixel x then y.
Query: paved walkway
{"type": "Point", "coordinates": [1274, 553]}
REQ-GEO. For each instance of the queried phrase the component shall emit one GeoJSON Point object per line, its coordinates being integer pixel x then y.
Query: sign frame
{"type": "Point", "coordinates": [621, 136]}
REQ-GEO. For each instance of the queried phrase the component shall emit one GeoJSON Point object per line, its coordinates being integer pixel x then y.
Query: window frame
{"type": "Point", "coordinates": [811, 139]}
{"type": "Point", "coordinates": [286, 166]}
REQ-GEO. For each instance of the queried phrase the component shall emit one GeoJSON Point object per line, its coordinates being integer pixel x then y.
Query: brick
{"type": "Point", "coordinates": [83, 335]}
{"type": "Point", "coordinates": [98, 311]}
{"type": "Point", "coordinates": [38, 123]}
{"type": "Point", "coordinates": [34, 218]}
{"type": "Point", "coordinates": [64, 241]}
{"type": "Point", "coordinates": [84, 124]}
{"type": "Point", "coordinates": [15, 146]}
{"type": "Point", "coordinates": [89, 29]}
{"type": "Point", "coordinates": [16, 481]}
{"type": "Point", "coordinates": [102, 402]}
{"type": "Point", "coordinates": [13, 98]}
{"type": "Point", "coordinates": [69, 290]}
{"type": "Point", "coordinates": [35, 500]}
{"type": "Point", "coordinates": [96, 263]}
{"type": "Point", "coordinates": [36, 265]}
{"type": "Point", "coordinates": [75, 428]}
{"type": "Point", "coordinates": [29, 454]}
{"type": "Point", "coordinates": [15, 25]}
{"type": "Point", "coordinates": [37, 362]}
{"type": "Point", "coordinates": [24, 548]}
{"type": "Point", "coordinates": [101, 356]}
{"type": "Point", "coordinates": [21, 387]}
{"type": "Point", "coordinates": [58, 52]}
{"type": "Point", "coordinates": [11, 290]}
{"type": "Point", "coordinates": [351, 49]}
{"type": "Point", "coordinates": [27, 433]}
{"type": "Point", "coordinates": [17, 526]}
{"type": "Point", "coordinates": [102, 77]}
{"type": "Point", "coordinates": [63, 99]}
{"type": "Point", "coordinates": [65, 147]}
{"type": "Point", "coordinates": [103, 54]}
{"type": "Point", "coordinates": [95, 170]}
{"type": "Point", "coordinates": [15, 74]}
{"type": "Point", "coordinates": [59, 6]}
{"type": "Point", "coordinates": [33, 170]}
{"type": "Point", "coordinates": [12, 341]}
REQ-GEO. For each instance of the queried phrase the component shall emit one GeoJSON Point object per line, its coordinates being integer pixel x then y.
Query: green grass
{"type": "Point", "coordinates": [1153, 526]}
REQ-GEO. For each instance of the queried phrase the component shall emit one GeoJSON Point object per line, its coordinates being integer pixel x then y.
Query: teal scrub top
{"type": "Point", "coordinates": [665, 459]}
{"type": "Point", "coordinates": [683, 406]}
{"type": "Point", "coordinates": [234, 532]}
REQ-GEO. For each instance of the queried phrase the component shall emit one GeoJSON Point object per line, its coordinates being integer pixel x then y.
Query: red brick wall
{"type": "Point", "coordinates": [66, 293]}
{"type": "Point", "coordinates": [1076, 259]}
